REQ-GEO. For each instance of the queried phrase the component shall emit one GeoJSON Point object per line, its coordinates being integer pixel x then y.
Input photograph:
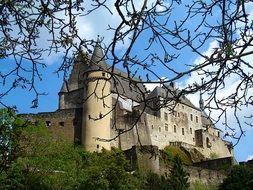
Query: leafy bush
{"type": "Point", "coordinates": [197, 185]}
{"type": "Point", "coordinates": [240, 177]}
{"type": "Point", "coordinates": [171, 152]}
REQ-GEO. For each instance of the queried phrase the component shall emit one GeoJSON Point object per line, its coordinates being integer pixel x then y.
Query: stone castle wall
{"type": "Point", "coordinates": [62, 122]}
{"type": "Point", "coordinates": [174, 126]}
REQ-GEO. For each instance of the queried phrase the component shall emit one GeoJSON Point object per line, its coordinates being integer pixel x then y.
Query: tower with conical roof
{"type": "Point", "coordinates": [61, 94]}
{"type": "Point", "coordinates": [201, 102]}
{"type": "Point", "coordinates": [97, 104]}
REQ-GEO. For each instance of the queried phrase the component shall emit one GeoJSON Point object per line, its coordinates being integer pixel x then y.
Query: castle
{"type": "Point", "coordinates": [99, 107]}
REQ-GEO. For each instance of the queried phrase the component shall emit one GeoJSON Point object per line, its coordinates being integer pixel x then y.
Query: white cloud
{"type": "Point", "coordinates": [250, 157]}
{"type": "Point", "coordinates": [231, 82]}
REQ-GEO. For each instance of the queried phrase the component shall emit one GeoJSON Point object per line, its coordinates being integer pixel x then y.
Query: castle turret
{"type": "Point", "coordinates": [61, 94]}
{"type": "Point", "coordinates": [97, 105]}
{"type": "Point", "coordinates": [201, 102]}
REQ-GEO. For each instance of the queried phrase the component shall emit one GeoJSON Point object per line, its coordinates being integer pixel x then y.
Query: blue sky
{"type": "Point", "coordinates": [90, 27]}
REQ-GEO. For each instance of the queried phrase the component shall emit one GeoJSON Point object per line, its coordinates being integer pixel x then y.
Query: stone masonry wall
{"type": "Point", "coordinates": [61, 122]}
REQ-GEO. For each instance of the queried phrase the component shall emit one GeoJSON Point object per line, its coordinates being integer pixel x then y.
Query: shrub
{"type": "Point", "coordinates": [171, 152]}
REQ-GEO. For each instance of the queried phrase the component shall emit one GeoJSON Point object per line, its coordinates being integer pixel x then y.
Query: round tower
{"type": "Point", "coordinates": [97, 105]}
{"type": "Point", "coordinates": [61, 95]}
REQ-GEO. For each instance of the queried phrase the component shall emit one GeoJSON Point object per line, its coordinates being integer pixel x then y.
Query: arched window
{"type": "Point", "coordinates": [208, 143]}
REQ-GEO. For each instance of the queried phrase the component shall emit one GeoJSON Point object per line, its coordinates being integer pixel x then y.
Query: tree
{"type": "Point", "coordinates": [107, 170]}
{"type": "Point", "coordinates": [5, 137]}
{"type": "Point", "coordinates": [177, 180]}
{"type": "Point", "coordinates": [40, 160]}
{"type": "Point", "coordinates": [36, 159]}
{"type": "Point", "coordinates": [165, 37]}
{"type": "Point", "coordinates": [178, 177]}
{"type": "Point", "coordinates": [240, 177]}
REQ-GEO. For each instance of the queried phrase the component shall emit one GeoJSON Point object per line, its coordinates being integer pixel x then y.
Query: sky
{"type": "Point", "coordinates": [90, 27]}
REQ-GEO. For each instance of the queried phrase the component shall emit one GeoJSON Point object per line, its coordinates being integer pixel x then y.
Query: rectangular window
{"type": "Point", "coordinates": [197, 119]}
{"type": "Point", "coordinates": [175, 128]}
{"type": "Point", "coordinates": [159, 129]}
{"type": "Point", "coordinates": [166, 127]}
{"type": "Point", "coordinates": [61, 124]}
{"type": "Point", "coordinates": [182, 131]}
{"type": "Point", "coordinates": [191, 130]}
{"type": "Point", "coordinates": [191, 117]}
{"type": "Point", "coordinates": [166, 116]}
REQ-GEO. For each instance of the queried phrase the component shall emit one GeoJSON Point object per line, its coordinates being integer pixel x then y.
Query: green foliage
{"type": "Point", "coordinates": [6, 132]}
{"type": "Point", "coordinates": [197, 185]}
{"type": "Point", "coordinates": [178, 177]}
{"type": "Point", "coordinates": [213, 156]}
{"type": "Point", "coordinates": [41, 160]}
{"type": "Point", "coordinates": [171, 152]}
{"type": "Point", "coordinates": [37, 159]}
{"type": "Point", "coordinates": [107, 170]}
{"type": "Point", "coordinates": [177, 180]}
{"type": "Point", "coordinates": [155, 182]}
{"type": "Point", "coordinates": [240, 177]}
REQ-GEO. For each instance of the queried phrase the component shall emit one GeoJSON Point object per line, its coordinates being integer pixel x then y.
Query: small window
{"type": "Point", "coordinates": [182, 131]}
{"type": "Point", "coordinates": [197, 119]}
{"type": "Point", "coordinates": [159, 129]}
{"type": "Point", "coordinates": [103, 74]}
{"type": "Point", "coordinates": [61, 124]}
{"type": "Point", "coordinates": [191, 130]}
{"type": "Point", "coordinates": [175, 128]}
{"type": "Point", "coordinates": [191, 117]}
{"type": "Point", "coordinates": [178, 114]}
{"type": "Point", "coordinates": [74, 122]}
{"type": "Point", "coordinates": [152, 127]}
{"type": "Point", "coordinates": [166, 116]}
{"type": "Point", "coordinates": [166, 127]}
{"type": "Point", "coordinates": [155, 113]}
{"type": "Point", "coordinates": [208, 144]}
{"type": "Point", "coordinates": [97, 146]}
{"type": "Point", "coordinates": [193, 139]}
{"type": "Point", "coordinates": [48, 124]}
{"type": "Point", "coordinates": [218, 133]}
{"type": "Point", "coordinates": [182, 106]}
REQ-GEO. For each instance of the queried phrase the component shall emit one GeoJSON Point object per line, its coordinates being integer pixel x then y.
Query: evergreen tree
{"type": "Point", "coordinates": [178, 176]}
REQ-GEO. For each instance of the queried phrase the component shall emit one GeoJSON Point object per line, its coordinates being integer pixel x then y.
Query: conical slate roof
{"type": "Point", "coordinates": [64, 87]}
{"type": "Point", "coordinates": [97, 61]}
